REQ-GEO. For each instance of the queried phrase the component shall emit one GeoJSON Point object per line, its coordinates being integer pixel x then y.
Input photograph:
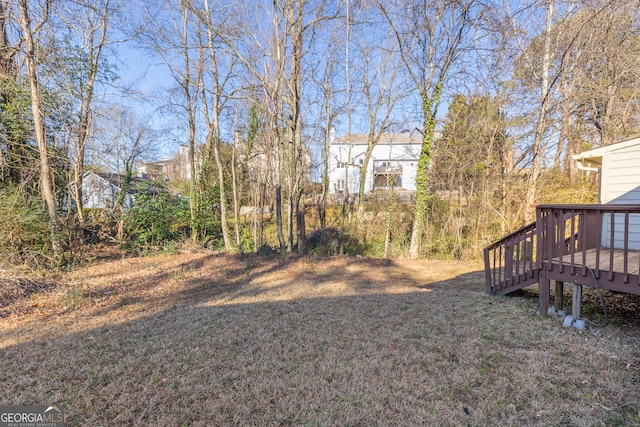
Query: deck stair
{"type": "Point", "coordinates": [510, 263]}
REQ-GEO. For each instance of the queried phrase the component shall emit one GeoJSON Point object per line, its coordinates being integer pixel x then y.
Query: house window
{"type": "Point", "coordinates": [340, 185]}
{"type": "Point", "coordinates": [342, 165]}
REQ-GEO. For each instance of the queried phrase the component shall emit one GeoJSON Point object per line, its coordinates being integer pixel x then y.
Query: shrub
{"type": "Point", "coordinates": [24, 227]}
{"type": "Point", "coordinates": [325, 242]}
{"type": "Point", "coordinates": [330, 241]}
{"type": "Point", "coordinates": [154, 221]}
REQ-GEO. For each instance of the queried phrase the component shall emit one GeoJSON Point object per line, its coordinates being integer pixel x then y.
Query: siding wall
{"type": "Point", "coordinates": [97, 193]}
{"type": "Point", "coordinates": [621, 185]}
{"type": "Point", "coordinates": [402, 155]}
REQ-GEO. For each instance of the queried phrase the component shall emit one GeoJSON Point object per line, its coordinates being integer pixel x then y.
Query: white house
{"type": "Point", "coordinates": [619, 172]}
{"type": "Point", "coordinates": [101, 190]}
{"type": "Point", "coordinates": [176, 168]}
{"type": "Point", "coordinates": [393, 163]}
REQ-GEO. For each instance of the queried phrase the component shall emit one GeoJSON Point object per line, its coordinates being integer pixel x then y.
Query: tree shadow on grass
{"type": "Point", "coordinates": [436, 355]}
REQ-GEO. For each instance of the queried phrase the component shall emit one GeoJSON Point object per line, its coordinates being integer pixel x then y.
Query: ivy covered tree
{"type": "Point", "coordinates": [432, 37]}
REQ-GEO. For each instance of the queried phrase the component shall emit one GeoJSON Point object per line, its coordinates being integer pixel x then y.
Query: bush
{"type": "Point", "coordinates": [325, 242]}
{"type": "Point", "coordinates": [155, 221]}
{"type": "Point", "coordinates": [330, 241]}
{"type": "Point", "coordinates": [24, 227]}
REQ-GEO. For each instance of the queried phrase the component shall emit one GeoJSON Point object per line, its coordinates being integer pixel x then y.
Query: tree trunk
{"type": "Point", "coordinates": [429, 109]}
{"type": "Point", "coordinates": [214, 131]}
{"type": "Point", "coordinates": [46, 180]}
{"type": "Point", "coordinates": [362, 180]}
{"type": "Point", "coordinates": [347, 76]}
{"type": "Point", "coordinates": [281, 240]}
{"type": "Point", "coordinates": [236, 196]}
{"type": "Point", "coordinates": [537, 148]}
{"type": "Point", "coordinates": [391, 207]}
{"type": "Point", "coordinates": [300, 223]}
{"type": "Point", "coordinates": [322, 207]}
{"type": "Point", "coordinates": [223, 198]}
{"type": "Point", "coordinates": [93, 58]}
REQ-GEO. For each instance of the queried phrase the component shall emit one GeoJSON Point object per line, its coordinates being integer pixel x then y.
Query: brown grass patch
{"type": "Point", "coordinates": [215, 339]}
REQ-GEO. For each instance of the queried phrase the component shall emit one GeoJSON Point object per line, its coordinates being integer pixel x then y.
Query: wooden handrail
{"type": "Point", "coordinates": [510, 262]}
{"type": "Point", "coordinates": [579, 239]}
{"type": "Point", "coordinates": [512, 234]}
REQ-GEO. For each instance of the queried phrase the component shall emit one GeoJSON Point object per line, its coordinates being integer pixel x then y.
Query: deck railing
{"type": "Point", "coordinates": [576, 238]}
{"type": "Point", "coordinates": [387, 170]}
{"type": "Point", "coordinates": [510, 263]}
{"type": "Point", "coordinates": [564, 243]}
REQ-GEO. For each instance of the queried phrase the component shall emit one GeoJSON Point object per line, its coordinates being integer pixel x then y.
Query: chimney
{"type": "Point", "coordinates": [184, 151]}
{"type": "Point", "coordinates": [237, 137]}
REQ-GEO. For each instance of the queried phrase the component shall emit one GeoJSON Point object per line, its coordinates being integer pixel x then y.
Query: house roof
{"type": "Point", "coordinates": [136, 185]}
{"type": "Point", "coordinates": [386, 138]}
{"type": "Point", "coordinates": [595, 156]}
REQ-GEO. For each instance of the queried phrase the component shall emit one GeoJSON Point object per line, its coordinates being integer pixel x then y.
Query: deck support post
{"type": "Point", "coordinates": [558, 303]}
{"type": "Point", "coordinates": [544, 285]}
{"type": "Point", "coordinates": [576, 308]}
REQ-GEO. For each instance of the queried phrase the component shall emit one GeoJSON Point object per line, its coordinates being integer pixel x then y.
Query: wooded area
{"type": "Point", "coordinates": [503, 94]}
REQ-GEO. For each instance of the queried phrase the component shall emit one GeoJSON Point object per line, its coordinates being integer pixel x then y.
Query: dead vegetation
{"type": "Point", "coordinates": [217, 339]}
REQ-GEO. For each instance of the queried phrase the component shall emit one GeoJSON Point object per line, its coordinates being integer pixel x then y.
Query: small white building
{"type": "Point", "coordinates": [101, 190]}
{"type": "Point", "coordinates": [619, 173]}
{"type": "Point", "coordinates": [393, 163]}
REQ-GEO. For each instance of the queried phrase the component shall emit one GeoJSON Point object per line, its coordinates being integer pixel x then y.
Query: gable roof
{"type": "Point", "coordinates": [385, 138]}
{"type": "Point", "coordinates": [595, 156]}
{"type": "Point", "coordinates": [136, 185]}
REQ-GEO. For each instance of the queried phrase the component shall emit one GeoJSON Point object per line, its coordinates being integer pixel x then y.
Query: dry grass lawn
{"type": "Point", "coordinates": [213, 339]}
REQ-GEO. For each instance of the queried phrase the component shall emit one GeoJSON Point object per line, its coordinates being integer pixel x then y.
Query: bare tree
{"type": "Point", "coordinates": [545, 100]}
{"type": "Point", "coordinates": [170, 34]}
{"type": "Point", "coordinates": [381, 89]}
{"type": "Point", "coordinates": [431, 37]}
{"type": "Point", "coordinates": [279, 72]}
{"type": "Point", "coordinates": [601, 78]}
{"type": "Point", "coordinates": [46, 182]}
{"type": "Point", "coordinates": [326, 88]}
{"type": "Point", "coordinates": [213, 89]}
{"type": "Point", "coordinates": [346, 195]}
{"type": "Point", "coordinates": [572, 76]}
{"type": "Point", "coordinates": [78, 65]}
{"type": "Point", "coordinates": [267, 71]}
{"type": "Point", "coordinates": [123, 140]}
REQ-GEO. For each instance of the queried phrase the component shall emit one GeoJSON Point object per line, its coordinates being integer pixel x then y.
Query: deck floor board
{"type": "Point", "coordinates": [633, 260]}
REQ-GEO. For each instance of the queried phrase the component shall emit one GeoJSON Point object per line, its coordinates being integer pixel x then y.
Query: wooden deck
{"type": "Point", "coordinates": [601, 257]}
{"type": "Point", "coordinates": [594, 258]}
{"type": "Point", "coordinates": [623, 277]}
{"type": "Point", "coordinates": [565, 244]}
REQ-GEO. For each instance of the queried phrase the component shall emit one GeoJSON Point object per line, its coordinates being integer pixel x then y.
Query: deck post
{"type": "Point", "coordinates": [544, 294]}
{"type": "Point", "coordinates": [487, 272]}
{"type": "Point", "coordinates": [576, 308]}
{"type": "Point", "coordinates": [558, 302]}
